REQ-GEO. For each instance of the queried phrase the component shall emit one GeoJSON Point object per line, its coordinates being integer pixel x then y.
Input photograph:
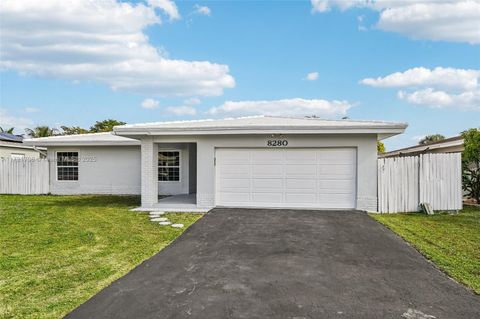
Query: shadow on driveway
{"type": "Point", "coordinates": [252, 263]}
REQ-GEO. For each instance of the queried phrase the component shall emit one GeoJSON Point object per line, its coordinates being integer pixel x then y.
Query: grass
{"type": "Point", "coordinates": [451, 241]}
{"type": "Point", "coordinates": [58, 251]}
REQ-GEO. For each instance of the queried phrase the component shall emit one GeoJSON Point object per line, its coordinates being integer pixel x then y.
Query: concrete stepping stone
{"type": "Point", "coordinates": [156, 213]}
{"type": "Point", "coordinates": [177, 225]}
{"type": "Point", "coordinates": [164, 223]}
{"type": "Point", "coordinates": [159, 219]}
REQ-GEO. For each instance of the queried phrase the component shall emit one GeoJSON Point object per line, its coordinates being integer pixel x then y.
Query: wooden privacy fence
{"type": "Point", "coordinates": [405, 182]}
{"type": "Point", "coordinates": [24, 176]}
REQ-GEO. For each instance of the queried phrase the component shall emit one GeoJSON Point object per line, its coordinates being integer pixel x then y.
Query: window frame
{"type": "Point", "coordinates": [56, 166]}
{"type": "Point", "coordinates": [179, 165]}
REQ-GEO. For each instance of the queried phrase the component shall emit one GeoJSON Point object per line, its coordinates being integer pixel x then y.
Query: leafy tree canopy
{"type": "Point", "coordinates": [105, 125]}
{"type": "Point", "coordinates": [41, 131]}
{"type": "Point", "coordinates": [380, 147]}
{"type": "Point", "coordinates": [471, 163]}
{"type": "Point", "coordinates": [73, 130]}
{"type": "Point", "coordinates": [9, 130]}
{"type": "Point", "coordinates": [431, 138]}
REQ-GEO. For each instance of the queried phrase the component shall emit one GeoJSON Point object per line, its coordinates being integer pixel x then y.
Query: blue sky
{"type": "Point", "coordinates": [256, 59]}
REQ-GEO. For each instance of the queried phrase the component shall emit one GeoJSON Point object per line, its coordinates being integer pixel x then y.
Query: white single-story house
{"type": "Point", "coordinates": [271, 162]}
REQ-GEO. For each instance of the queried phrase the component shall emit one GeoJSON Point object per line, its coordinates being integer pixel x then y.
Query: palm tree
{"type": "Point", "coordinates": [41, 131]}
{"type": "Point", "coordinates": [9, 131]}
{"type": "Point", "coordinates": [431, 138]}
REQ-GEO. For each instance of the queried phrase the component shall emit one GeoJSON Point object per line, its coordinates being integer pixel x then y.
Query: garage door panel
{"type": "Point", "coordinates": [301, 184]}
{"type": "Point", "coordinates": [267, 170]}
{"type": "Point", "coordinates": [336, 183]}
{"type": "Point", "coordinates": [344, 156]}
{"type": "Point", "coordinates": [234, 197]}
{"type": "Point", "coordinates": [267, 183]}
{"type": "Point", "coordinates": [267, 198]}
{"type": "Point", "coordinates": [232, 156]}
{"type": "Point", "coordinates": [300, 156]}
{"type": "Point", "coordinates": [300, 199]}
{"type": "Point", "coordinates": [336, 170]}
{"type": "Point", "coordinates": [308, 178]}
{"type": "Point", "coordinates": [299, 170]}
{"type": "Point", "coordinates": [233, 171]}
{"type": "Point", "coordinates": [262, 156]}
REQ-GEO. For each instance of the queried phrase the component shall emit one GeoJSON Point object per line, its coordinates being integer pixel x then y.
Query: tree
{"type": "Point", "coordinates": [41, 131]}
{"type": "Point", "coordinates": [105, 125]}
{"type": "Point", "coordinates": [431, 138]}
{"type": "Point", "coordinates": [380, 147]}
{"type": "Point", "coordinates": [73, 130]}
{"type": "Point", "coordinates": [9, 131]}
{"type": "Point", "coordinates": [471, 163]}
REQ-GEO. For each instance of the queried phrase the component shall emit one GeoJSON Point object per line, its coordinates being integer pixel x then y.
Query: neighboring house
{"type": "Point", "coordinates": [448, 145]}
{"type": "Point", "coordinates": [11, 146]}
{"type": "Point", "coordinates": [244, 162]}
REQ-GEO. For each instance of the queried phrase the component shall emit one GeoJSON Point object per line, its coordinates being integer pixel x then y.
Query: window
{"type": "Point", "coordinates": [67, 166]}
{"type": "Point", "coordinates": [169, 166]}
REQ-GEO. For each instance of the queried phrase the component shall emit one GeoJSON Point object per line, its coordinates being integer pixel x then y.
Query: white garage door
{"type": "Point", "coordinates": [309, 178]}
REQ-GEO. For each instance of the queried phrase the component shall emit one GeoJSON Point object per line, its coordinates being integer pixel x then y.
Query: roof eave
{"type": "Point", "coordinates": [131, 132]}
{"type": "Point", "coordinates": [82, 143]}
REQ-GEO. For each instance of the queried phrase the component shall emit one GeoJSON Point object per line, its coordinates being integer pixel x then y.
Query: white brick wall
{"type": "Point", "coordinates": [149, 172]}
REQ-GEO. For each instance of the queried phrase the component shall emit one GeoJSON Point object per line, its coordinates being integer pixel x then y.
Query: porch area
{"type": "Point", "coordinates": [175, 203]}
{"type": "Point", "coordinates": [169, 176]}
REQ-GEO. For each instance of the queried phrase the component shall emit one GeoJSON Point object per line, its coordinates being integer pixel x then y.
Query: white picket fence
{"type": "Point", "coordinates": [405, 182]}
{"type": "Point", "coordinates": [24, 176]}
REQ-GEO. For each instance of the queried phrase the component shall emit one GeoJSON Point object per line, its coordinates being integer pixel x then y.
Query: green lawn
{"type": "Point", "coordinates": [57, 251]}
{"type": "Point", "coordinates": [452, 242]}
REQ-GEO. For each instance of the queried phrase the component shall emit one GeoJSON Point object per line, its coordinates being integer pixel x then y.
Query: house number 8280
{"type": "Point", "coordinates": [274, 143]}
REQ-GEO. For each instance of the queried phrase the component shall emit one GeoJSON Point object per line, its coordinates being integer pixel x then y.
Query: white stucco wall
{"type": "Point", "coordinates": [102, 170]}
{"type": "Point", "coordinates": [366, 145]}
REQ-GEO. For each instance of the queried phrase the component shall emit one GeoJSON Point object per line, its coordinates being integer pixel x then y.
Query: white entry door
{"type": "Point", "coordinates": [322, 178]}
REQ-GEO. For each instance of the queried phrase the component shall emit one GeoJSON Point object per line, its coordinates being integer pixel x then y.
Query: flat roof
{"type": "Point", "coordinates": [130, 133]}
{"type": "Point", "coordinates": [100, 139]}
{"type": "Point", "coordinates": [260, 125]}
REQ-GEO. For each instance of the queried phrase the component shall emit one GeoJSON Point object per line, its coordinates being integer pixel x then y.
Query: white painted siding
{"type": "Point", "coordinates": [101, 170]}
{"type": "Point", "coordinates": [405, 182]}
{"type": "Point", "coordinates": [23, 176]}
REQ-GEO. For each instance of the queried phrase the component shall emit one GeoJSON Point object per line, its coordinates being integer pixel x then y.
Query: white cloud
{"type": "Point", "coordinates": [150, 104]}
{"type": "Point", "coordinates": [167, 6]}
{"type": "Point", "coordinates": [417, 138]}
{"type": "Point", "coordinates": [327, 5]}
{"type": "Point", "coordinates": [469, 100]}
{"type": "Point", "coordinates": [312, 76]}
{"type": "Point", "coordinates": [101, 41]}
{"type": "Point", "coordinates": [204, 10]}
{"type": "Point", "coordinates": [192, 101]}
{"type": "Point", "coordinates": [438, 77]}
{"type": "Point", "coordinates": [447, 20]}
{"type": "Point", "coordinates": [181, 110]}
{"type": "Point", "coordinates": [19, 123]}
{"type": "Point", "coordinates": [437, 88]}
{"type": "Point", "coordinates": [286, 107]}
{"type": "Point", "coordinates": [31, 110]}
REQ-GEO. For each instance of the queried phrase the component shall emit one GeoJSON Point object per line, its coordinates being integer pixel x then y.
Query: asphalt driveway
{"type": "Point", "coordinates": [247, 263]}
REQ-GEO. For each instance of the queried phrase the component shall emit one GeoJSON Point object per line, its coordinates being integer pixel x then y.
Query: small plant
{"type": "Point", "coordinates": [471, 163]}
